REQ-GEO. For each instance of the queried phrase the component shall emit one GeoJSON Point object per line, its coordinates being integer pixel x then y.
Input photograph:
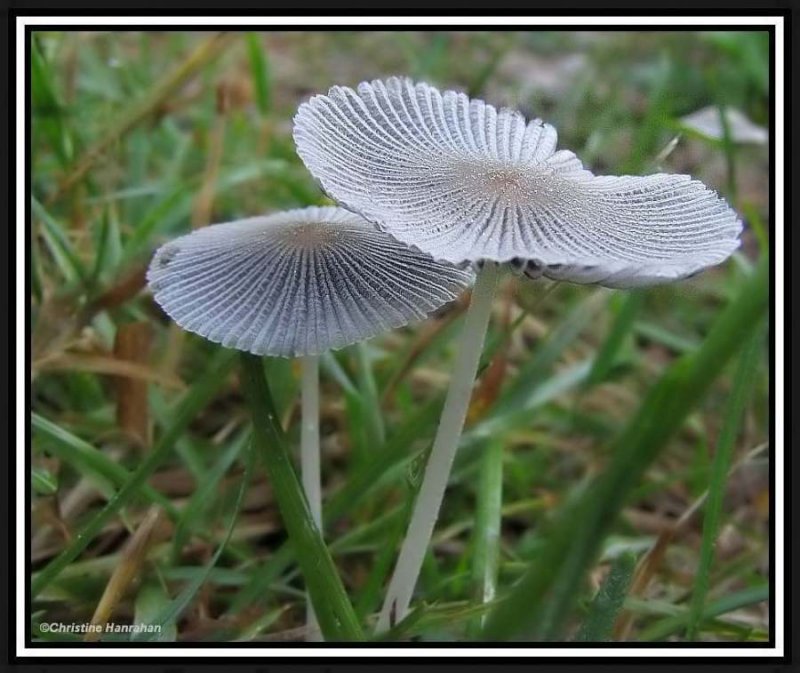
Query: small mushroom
{"type": "Point", "coordinates": [296, 284]}
{"type": "Point", "coordinates": [464, 182]}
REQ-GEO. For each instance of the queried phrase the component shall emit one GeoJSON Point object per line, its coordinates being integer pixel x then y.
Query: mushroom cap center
{"type": "Point", "coordinates": [504, 177]}
{"type": "Point", "coordinates": [507, 184]}
{"type": "Point", "coordinates": [309, 235]}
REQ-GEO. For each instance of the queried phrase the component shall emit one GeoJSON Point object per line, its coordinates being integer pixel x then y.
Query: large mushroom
{"type": "Point", "coordinates": [297, 284]}
{"type": "Point", "coordinates": [464, 182]}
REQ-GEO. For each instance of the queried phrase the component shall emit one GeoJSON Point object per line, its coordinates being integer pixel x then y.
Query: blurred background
{"type": "Point", "coordinates": [140, 137]}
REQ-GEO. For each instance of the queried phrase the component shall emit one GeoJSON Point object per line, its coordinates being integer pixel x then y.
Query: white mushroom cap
{"type": "Point", "coordinates": [463, 181]}
{"type": "Point", "coordinates": [298, 282]}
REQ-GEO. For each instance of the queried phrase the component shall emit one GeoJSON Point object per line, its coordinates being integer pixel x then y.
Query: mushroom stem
{"type": "Point", "coordinates": [310, 459]}
{"type": "Point", "coordinates": [440, 461]}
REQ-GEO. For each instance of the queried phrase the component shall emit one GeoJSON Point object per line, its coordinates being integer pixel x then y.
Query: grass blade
{"type": "Point", "coordinates": [742, 386]}
{"type": "Point", "coordinates": [49, 114]}
{"type": "Point", "coordinates": [174, 609]}
{"type": "Point", "coordinates": [192, 516]}
{"type": "Point", "coordinates": [126, 570]}
{"type": "Point", "coordinates": [200, 394]}
{"type": "Point", "coordinates": [88, 461]}
{"type": "Point", "coordinates": [576, 535]}
{"type": "Point", "coordinates": [260, 71]}
{"type": "Point", "coordinates": [66, 257]}
{"type": "Point", "coordinates": [150, 601]}
{"type": "Point", "coordinates": [740, 599]}
{"type": "Point", "coordinates": [334, 612]}
{"type": "Point", "coordinates": [486, 544]}
{"type": "Point", "coordinates": [140, 110]}
{"type": "Point", "coordinates": [368, 599]}
{"type": "Point", "coordinates": [362, 483]}
{"type": "Point", "coordinates": [623, 323]}
{"type": "Point", "coordinates": [599, 623]}
{"type": "Point", "coordinates": [535, 371]}
{"type": "Point", "coordinates": [370, 400]}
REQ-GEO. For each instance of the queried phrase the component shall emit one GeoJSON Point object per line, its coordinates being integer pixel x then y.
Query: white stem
{"type": "Point", "coordinates": [310, 459]}
{"type": "Point", "coordinates": [440, 461]}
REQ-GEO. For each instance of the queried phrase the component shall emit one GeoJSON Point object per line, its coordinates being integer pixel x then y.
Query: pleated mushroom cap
{"type": "Point", "coordinates": [463, 181]}
{"type": "Point", "coordinates": [298, 282]}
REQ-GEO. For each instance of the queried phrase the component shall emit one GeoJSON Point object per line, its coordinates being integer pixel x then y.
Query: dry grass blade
{"type": "Point", "coordinates": [426, 337]}
{"type": "Point", "coordinates": [492, 378]}
{"type": "Point", "coordinates": [104, 364]}
{"type": "Point", "coordinates": [61, 319]}
{"type": "Point", "coordinates": [649, 564]}
{"type": "Point", "coordinates": [132, 344]}
{"type": "Point", "coordinates": [126, 571]}
{"type": "Point", "coordinates": [204, 201]}
{"type": "Point", "coordinates": [202, 211]}
{"type": "Point", "coordinates": [169, 84]}
{"type": "Point", "coordinates": [57, 324]}
{"type": "Point", "coordinates": [127, 288]}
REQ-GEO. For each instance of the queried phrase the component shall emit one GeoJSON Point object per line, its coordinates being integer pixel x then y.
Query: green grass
{"type": "Point", "coordinates": [337, 620]}
{"type": "Point", "coordinates": [596, 440]}
{"type": "Point", "coordinates": [722, 459]}
{"type": "Point", "coordinates": [598, 626]}
{"type": "Point", "coordinates": [546, 593]}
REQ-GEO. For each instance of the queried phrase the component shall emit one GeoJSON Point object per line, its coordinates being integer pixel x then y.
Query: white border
{"type": "Point", "coordinates": [400, 650]}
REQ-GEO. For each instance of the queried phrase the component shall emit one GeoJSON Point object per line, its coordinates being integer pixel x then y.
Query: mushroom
{"type": "Point", "coordinates": [464, 182]}
{"type": "Point", "coordinates": [297, 284]}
